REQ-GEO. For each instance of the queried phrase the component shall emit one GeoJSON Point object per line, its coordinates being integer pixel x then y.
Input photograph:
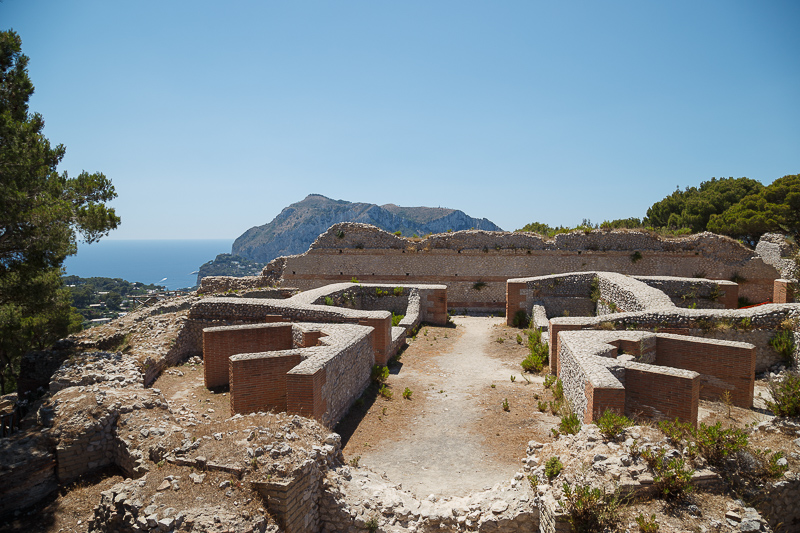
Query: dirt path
{"type": "Point", "coordinates": [441, 451]}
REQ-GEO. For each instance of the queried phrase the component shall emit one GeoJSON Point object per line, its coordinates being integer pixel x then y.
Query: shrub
{"type": "Point", "coordinates": [520, 319]}
{"type": "Point", "coordinates": [570, 424]}
{"type": "Point", "coordinates": [594, 289]}
{"type": "Point", "coordinates": [398, 291]}
{"type": "Point", "coordinates": [396, 319]}
{"type": "Point", "coordinates": [407, 393]}
{"type": "Point", "coordinates": [506, 407]}
{"type": "Point", "coordinates": [553, 467]}
{"type": "Point", "coordinates": [636, 256]}
{"type": "Point", "coordinates": [539, 352]}
{"type": "Point", "coordinates": [479, 285]}
{"type": "Point", "coordinates": [354, 280]}
{"type": "Point", "coordinates": [549, 380]}
{"type": "Point", "coordinates": [783, 343]}
{"type": "Point", "coordinates": [542, 406]}
{"type": "Point", "coordinates": [385, 392]}
{"type": "Point", "coordinates": [519, 340]}
{"type": "Point", "coordinates": [785, 395]}
{"type": "Point", "coordinates": [380, 374]}
{"type": "Point", "coordinates": [611, 424]}
{"type": "Point", "coordinates": [558, 390]}
{"type": "Point", "coordinates": [590, 509]}
{"type": "Point", "coordinates": [672, 479]}
{"type": "Point", "coordinates": [328, 300]}
{"type": "Point", "coordinates": [712, 442]}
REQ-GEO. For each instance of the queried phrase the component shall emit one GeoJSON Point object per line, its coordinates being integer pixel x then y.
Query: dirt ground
{"type": "Point", "coordinates": [452, 437]}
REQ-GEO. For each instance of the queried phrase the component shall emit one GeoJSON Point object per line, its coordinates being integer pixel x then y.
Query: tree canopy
{"type": "Point", "coordinates": [42, 214]}
{"type": "Point", "coordinates": [775, 207]}
{"type": "Point", "coordinates": [694, 207]}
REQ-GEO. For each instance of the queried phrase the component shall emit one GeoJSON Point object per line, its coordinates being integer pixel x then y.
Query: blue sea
{"type": "Point", "coordinates": [172, 263]}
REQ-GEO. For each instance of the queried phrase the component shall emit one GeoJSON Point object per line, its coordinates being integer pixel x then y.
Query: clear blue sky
{"type": "Point", "coordinates": [210, 117]}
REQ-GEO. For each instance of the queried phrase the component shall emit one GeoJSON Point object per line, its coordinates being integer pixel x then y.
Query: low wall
{"type": "Point", "coordinates": [696, 292]}
{"type": "Point", "coordinates": [314, 370]}
{"type": "Point", "coordinates": [474, 265]}
{"type": "Point", "coordinates": [659, 376]}
{"type": "Point", "coordinates": [755, 325]}
{"type": "Point", "coordinates": [723, 366]}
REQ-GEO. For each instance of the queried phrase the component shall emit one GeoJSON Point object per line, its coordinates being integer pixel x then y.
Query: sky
{"type": "Point", "coordinates": [210, 117]}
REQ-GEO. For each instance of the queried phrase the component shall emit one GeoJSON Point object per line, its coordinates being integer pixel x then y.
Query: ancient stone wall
{"type": "Point", "coordinates": [475, 264]}
{"type": "Point", "coordinates": [595, 378]}
{"type": "Point", "coordinates": [696, 293]}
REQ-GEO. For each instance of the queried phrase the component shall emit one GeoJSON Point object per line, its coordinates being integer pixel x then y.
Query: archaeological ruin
{"type": "Point", "coordinates": [638, 324]}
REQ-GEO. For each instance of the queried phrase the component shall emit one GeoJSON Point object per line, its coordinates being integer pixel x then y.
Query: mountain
{"type": "Point", "coordinates": [296, 227]}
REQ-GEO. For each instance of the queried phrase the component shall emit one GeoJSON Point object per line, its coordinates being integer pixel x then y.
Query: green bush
{"type": "Point", "coordinates": [398, 291]}
{"type": "Point", "coordinates": [328, 300]}
{"type": "Point", "coordinates": [542, 406]}
{"type": "Point", "coordinates": [407, 393]}
{"type": "Point", "coordinates": [539, 355]}
{"type": "Point", "coordinates": [570, 424]}
{"type": "Point", "coordinates": [783, 343]}
{"type": "Point", "coordinates": [590, 509]}
{"type": "Point", "coordinates": [385, 392]}
{"type": "Point", "coordinates": [553, 467]}
{"type": "Point", "coordinates": [558, 390]}
{"type": "Point", "coordinates": [712, 442]}
{"type": "Point", "coordinates": [380, 374]}
{"type": "Point", "coordinates": [549, 380]}
{"type": "Point", "coordinates": [785, 395]}
{"type": "Point", "coordinates": [396, 319]}
{"type": "Point", "coordinates": [611, 424]}
{"type": "Point", "coordinates": [672, 479]}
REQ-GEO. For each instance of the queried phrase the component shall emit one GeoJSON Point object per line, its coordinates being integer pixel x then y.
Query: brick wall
{"type": "Point", "coordinates": [381, 337]}
{"type": "Point", "coordinates": [658, 395]}
{"type": "Point", "coordinates": [305, 396]}
{"type": "Point", "coordinates": [258, 381]}
{"type": "Point", "coordinates": [722, 365]}
{"type": "Point", "coordinates": [601, 399]}
{"type": "Point", "coordinates": [222, 342]}
{"type": "Point", "coordinates": [436, 307]}
{"type": "Point", "coordinates": [782, 292]}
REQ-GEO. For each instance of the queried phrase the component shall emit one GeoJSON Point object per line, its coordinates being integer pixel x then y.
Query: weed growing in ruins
{"type": "Point", "coordinates": [328, 300]}
{"type": "Point", "coordinates": [396, 319]}
{"type": "Point", "coordinates": [354, 461]}
{"type": "Point", "coordinates": [745, 324]}
{"type": "Point", "coordinates": [354, 280]}
{"type": "Point", "coordinates": [519, 340]}
{"type": "Point", "coordinates": [606, 325]}
{"type": "Point", "coordinates": [715, 293]}
{"type": "Point", "coordinates": [594, 290]}
{"type": "Point", "coordinates": [372, 524]}
{"type": "Point", "coordinates": [549, 380]}
{"type": "Point", "coordinates": [385, 392]}
{"type": "Point", "coordinates": [533, 479]}
{"type": "Point", "coordinates": [785, 394]}
{"type": "Point", "coordinates": [555, 407]}
{"type": "Point", "coordinates": [520, 319]}
{"type": "Point", "coordinates": [398, 233]}
{"type": "Point", "coordinates": [398, 291]}
{"type": "Point", "coordinates": [407, 394]}
{"type": "Point", "coordinates": [725, 397]}
{"type": "Point", "coordinates": [569, 425]}
{"type": "Point", "coordinates": [647, 525]}
{"type": "Point", "coordinates": [506, 407]}
{"type": "Point", "coordinates": [553, 467]}
{"type": "Point", "coordinates": [379, 292]}
{"type": "Point", "coordinates": [340, 234]}
{"type": "Point", "coordinates": [479, 285]}
{"type": "Point", "coordinates": [513, 378]}
{"type": "Point", "coordinates": [384, 411]}
{"type": "Point", "coordinates": [493, 385]}
{"type": "Point", "coordinates": [590, 509]}
{"type": "Point", "coordinates": [712, 442]}
{"type": "Point", "coordinates": [380, 374]}
{"type": "Point", "coordinates": [558, 390]}
{"type": "Point", "coordinates": [539, 352]}
{"type": "Point", "coordinates": [636, 256]}
{"type": "Point", "coordinates": [500, 340]}
{"type": "Point", "coordinates": [611, 424]}
{"type": "Point", "coordinates": [671, 478]}
{"type": "Point", "coordinates": [783, 343]}
{"type": "Point", "coordinates": [542, 406]}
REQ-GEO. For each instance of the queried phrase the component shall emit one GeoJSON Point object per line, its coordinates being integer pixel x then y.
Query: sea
{"type": "Point", "coordinates": [171, 263]}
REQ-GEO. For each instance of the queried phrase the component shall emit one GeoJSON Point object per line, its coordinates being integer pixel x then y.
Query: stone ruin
{"type": "Point", "coordinates": [307, 355]}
